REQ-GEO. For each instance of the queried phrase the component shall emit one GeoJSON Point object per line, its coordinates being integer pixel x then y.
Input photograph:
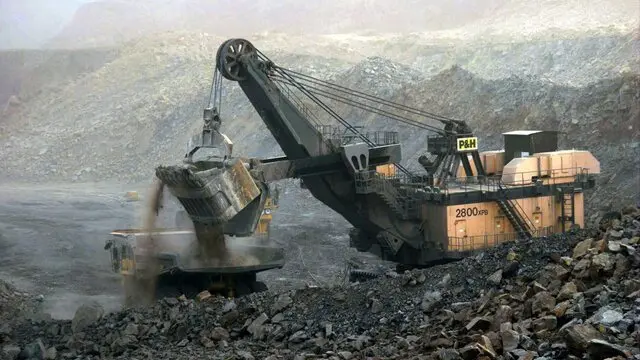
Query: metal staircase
{"type": "Point", "coordinates": [403, 205]}
{"type": "Point", "coordinates": [568, 211]}
{"type": "Point", "coordinates": [515, 214]}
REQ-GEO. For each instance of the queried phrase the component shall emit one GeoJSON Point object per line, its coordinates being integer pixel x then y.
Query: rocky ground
{"type": "Point", "coordinates": [112, 114]}
{"type": "Point", "coordinates": [565, 297]}
{"type": "Point", "coordinates": [40, 234]}
{"type": "Point", "coordinates": [16, 302]}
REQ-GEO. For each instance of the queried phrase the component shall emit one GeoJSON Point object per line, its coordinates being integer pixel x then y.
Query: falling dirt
{"type": "Point", "coordinates": [141, 289]}
{"type": "Point", "coordinates": [212, 249]}
{"type": "Point", "coordinates": [209, 250]}
{"type": "Point", "coordinates": [211, 243]}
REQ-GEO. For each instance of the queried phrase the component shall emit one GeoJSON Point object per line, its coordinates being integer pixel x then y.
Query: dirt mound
{"type": "Point", "coordinates": [15, 304]}
{"type": "Point", "coordinates": [553, 297]}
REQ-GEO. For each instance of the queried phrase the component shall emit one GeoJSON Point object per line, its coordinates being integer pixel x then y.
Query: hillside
{"type": "Point", "coordinates": [574, 60]}
{"type": "Point", "coordinates": [119, 120]}
{"type": "Point", "coordinates": [26, 73]}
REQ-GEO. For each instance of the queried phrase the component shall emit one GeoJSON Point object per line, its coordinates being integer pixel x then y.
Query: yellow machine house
{"type": "Point", "coordinates": [546, 193]}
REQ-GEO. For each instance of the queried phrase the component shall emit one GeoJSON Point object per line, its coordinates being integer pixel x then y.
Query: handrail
{"type": "Point", "coordinates": [373, 181]}
{"type": "Point", "coordinates": [384, 185]}
{"type": "Point", "coordinates": [471, 183]}
{"type": "Point", "coordinates": [469, 243]}
{"type": "Point", "coordinates": [519, 210]}
{"type": "Point", "coordinates": [491, 183]}
{"type": "Point", "coordinates": [377, 137]}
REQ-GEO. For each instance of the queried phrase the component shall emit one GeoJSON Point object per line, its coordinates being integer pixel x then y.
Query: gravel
{"type": "Point", "coordinates": [563, 297]}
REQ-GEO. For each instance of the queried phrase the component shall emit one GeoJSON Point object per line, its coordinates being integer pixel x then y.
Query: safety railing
{"type": "Point", "coordinates": [344, 136]}
{"type": "Point", "coordinates": [371, 180]}
{"type": "Point", "coordinates": [518, 180]}
{"type": "Point", "coordinates": [367, 181]}
{"type": "Point", "coordinates": [402, 198]}
{"type": "Point", "coordinates": [482, 242]}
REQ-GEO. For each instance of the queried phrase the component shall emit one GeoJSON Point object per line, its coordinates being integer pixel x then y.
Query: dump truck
{"type": "Point", "coordinates": [221, 203]}
{"type": "Point", "coordinates": [178, 274]}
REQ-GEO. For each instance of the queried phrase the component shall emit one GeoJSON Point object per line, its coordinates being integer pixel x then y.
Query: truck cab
{"type": "Point", "coordinates": [264, 224]}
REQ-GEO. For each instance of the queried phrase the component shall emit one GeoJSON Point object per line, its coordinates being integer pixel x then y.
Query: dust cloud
{"type": "Point", "coordinates": [141, 288]}
{"type": "Point", "coordinates": [205, 248]}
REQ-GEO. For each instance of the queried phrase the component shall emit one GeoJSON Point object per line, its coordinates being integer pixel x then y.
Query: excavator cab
{"type": "Point", "coordinates": [121, 253]}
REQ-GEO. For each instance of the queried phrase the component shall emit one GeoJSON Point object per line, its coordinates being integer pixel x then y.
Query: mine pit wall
{"type": "Point", "coordinates": [475, 226]}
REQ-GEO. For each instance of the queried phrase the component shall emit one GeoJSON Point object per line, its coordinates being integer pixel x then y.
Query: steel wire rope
{"type": "Point", "coordinates": [310, 95]}
{"type": "Point", "coordinates": [324, 106]}
{"type": "Point", "coordinates": [380, 100]}
{"type": "Point", "coordinates": [361, 106]}
{"type": "Point", "coordinates": [372, 109]}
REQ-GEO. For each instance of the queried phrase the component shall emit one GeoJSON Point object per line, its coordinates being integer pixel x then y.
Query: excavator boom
{"type": "Point", "coordinates": [299, 139]}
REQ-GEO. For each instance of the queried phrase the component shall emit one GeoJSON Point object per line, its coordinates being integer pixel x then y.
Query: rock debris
{"type": "Point", "coordinates": [571, 296]}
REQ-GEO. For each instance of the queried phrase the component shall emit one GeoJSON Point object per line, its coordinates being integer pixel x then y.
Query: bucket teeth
{"type": "Point", "coordinates": [178, 176]}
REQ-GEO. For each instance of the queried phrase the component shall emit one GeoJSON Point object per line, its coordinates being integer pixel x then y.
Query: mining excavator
{"type": "Point", "coordinates": [464, 200]}
{"type": "Point", "coordinates": [460, 202]}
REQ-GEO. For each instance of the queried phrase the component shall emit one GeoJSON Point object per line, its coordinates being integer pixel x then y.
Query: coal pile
{"type": "Point", "coordinates": [575, 296]}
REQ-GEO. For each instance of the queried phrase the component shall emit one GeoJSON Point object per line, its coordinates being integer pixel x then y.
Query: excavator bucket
{"type": "Point", "coordinates": [211, 196]}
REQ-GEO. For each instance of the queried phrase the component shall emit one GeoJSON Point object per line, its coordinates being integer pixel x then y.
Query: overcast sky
{"type": "Point", "coordinates": [27, 23]}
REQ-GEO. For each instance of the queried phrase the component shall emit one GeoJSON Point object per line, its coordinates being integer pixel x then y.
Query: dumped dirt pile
{"type": "Point", "coordinates": [559, 298]}
{"type": "Point", "coordinates": [13, 303]}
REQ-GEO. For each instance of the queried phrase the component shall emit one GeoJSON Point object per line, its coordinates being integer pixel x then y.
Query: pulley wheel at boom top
{"type": "Point", "coordinates": [228, 58]}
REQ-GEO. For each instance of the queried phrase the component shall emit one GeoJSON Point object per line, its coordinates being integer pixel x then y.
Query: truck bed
{"type": "Point", "coordinates": [177, 250]}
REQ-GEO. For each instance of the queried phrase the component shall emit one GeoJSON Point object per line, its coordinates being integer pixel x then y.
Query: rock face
{"type": "Point", "coordinates": [560, 304]}
{"type": "Point", "coordinates": [145, 101]}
